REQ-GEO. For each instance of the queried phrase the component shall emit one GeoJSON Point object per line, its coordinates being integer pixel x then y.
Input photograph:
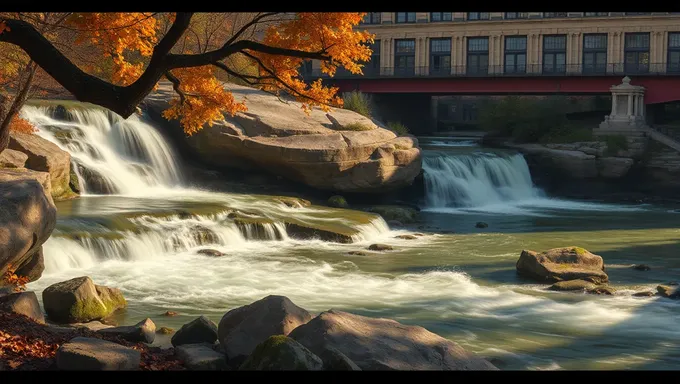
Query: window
{"type": "Point", "coordinates": [595, 53]}
{"type": "Point", "coordinates": [477, 55]}
{"type": "Point", "coordinates": [550, 15]}
{"type": "Point", "coordinates": [440, 16]}
{"type": "Point", "coordinates": [636, 59]}
{"type": "Point", "coordinates": [404, 56]}
{"type": "Point", "coordinates": [637, 13]}
{"type": "Point", "coordinates": [406, 17]}
{"type": "Point", "coordinates": [516, 15]}
{"type": "Point", "coordinates": [372, 18]}
{"type": "Point", "coordinates": [478, 16]}
{"type": "Point", "coordinates": [554, 53]}
{"type": "Point", "coordinates": [674, 52]}
{"type": "Point", "coordinates": [373, 66]}
{"type": "Point", "coordinates": [515, 54]}
{"type": "Point", "coordinates": [596, 14]}
{"type": "Point", "coordinates": [440, 56]}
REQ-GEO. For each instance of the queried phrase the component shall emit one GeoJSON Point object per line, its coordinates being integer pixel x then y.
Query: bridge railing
{"type": "Point", "coordinates": [611, 69]}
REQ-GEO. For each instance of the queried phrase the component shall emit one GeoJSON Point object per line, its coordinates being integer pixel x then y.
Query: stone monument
{"type": "Point", "coordinates": [628, 111]}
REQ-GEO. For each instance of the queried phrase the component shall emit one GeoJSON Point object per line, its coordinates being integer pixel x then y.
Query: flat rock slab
{"type": "Point", "coordinates": [89, 354]}
{"type": "Point", "coordinates": [144, 331]}
{"type": "Point", "coordinates": [201, 357]}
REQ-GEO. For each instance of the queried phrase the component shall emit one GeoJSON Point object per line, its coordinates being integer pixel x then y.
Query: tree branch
{"type": "Point", "coordinates": [248, 25]}
{"type": "Point", "coordinates": [175, 85]}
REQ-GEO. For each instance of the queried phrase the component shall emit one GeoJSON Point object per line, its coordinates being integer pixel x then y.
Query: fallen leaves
{"type": "Point", "coordinates": [11, 278]}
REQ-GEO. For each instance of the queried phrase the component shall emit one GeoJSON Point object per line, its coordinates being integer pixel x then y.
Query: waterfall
{"type": "Point", "coordinates": [110, 155]}
{"type": "Point", "coordinates": [476, 179]}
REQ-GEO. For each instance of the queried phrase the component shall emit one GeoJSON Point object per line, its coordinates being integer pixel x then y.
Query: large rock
{"type": "Point", "coordinates": [280, 138]}
{"type": "Point", "coordinates": [572, 163]}
{"type": "Point", "coordinates": [281, 353]}
{"type": "Point", "coordinates": [23, 303]}
{"type": "Point", "coordinates": [144, 331]}
{"type": "Point", "coordinates": [199, 330]}
{"type": "Point", "coordinates": [384, 344]}
{"type": "Point", "coordinates": [667, 291]}
{"type": "Point", "coordinates": [201, 357]}
{"type": "Point", "coordinates": [89, 354]}
{"type": "Point", "coordinates": [405, 215]}
{"type": "Point", "coordinates": [79, 300]}
{"type": "Point", "coordinates": [613, 167]}
{"type": "Point", "coordinates": [10, 158]}
{"type": "Point", "coordinates": [46, 156]}
{"type": "Point", "coordinates": [561, 264]}
{"type": "Point", "coordinates": [243, 328]}
{"type": "Point", "coordinates": [27, 218]}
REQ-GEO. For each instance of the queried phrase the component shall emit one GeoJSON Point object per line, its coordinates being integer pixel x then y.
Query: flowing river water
{"type": "Point", "coordinates": [138, 226]}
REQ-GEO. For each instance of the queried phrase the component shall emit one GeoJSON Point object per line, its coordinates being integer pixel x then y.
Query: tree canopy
{"type": "Point", "coordinates": [115, 59]}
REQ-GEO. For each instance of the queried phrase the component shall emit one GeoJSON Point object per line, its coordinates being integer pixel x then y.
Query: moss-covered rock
{"type": "Point", "coordinates": [164, 331]}
{"type": "Point", "coordinates": [281, 353]}
{"type": "Point", "coordinates": [404, 215]}
{"type": "Point", "coordinates": [79, 300]}
{"type": "Point", "coordinates": [562, 264]}
{"type": "Point", "coordinates": [337, 202]}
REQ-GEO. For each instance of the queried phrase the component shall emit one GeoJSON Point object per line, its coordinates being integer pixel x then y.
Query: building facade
{"type": "Point", "coordinates": [520, 44]}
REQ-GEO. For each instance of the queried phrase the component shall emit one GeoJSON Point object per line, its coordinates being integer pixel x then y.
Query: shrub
{"type": "Point", "coordinates": [398, 128]}
{"type": "Point", "coordinates": [21, 125]}
{"type": "Point", "coordinates": [357, 126]}
{"type": "Point", "coordinates": [615, 143]}
{"type": "Point", "coordinates": [357, 102]}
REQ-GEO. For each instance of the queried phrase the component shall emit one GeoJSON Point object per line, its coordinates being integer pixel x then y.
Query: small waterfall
{"type": "Point", "coordinates": [477, 179]}
{"type": "Point", "coordinates": [111, 155]}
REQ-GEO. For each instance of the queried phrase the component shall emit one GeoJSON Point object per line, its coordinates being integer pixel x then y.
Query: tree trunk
{"type": "Point", "coordinates": [4, 122]}
{"type": "Point", "coordinates": [9, 108]}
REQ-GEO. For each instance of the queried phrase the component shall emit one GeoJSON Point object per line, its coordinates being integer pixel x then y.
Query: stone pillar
{"type": "Point", "coordinates": [613, 104]}
{"type": "Point", "coordinates": [637, 105]}
{"type": "Point", "coordinates": [630, 104]}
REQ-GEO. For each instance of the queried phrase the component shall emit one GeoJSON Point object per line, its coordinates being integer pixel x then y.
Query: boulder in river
{"type": "Point", "coordinates": [384, 344]}
{"type": "Point", "coordinates": [79, 300]}
{"type": "Point", "coordinates": [27, 217]}
{"type": "Point", "coordinates": [23, 303]}
{"type": "Point", "coordinates": [337, 202]}
{"type": "Point", "coordinates": [641, 267]}
{"type": "Point", "coordinates": [276, 136]}
{"type": "Point", "coordinates": [243, 328]}
{"type": "Point", "coordinates": [200, 330]}
{"type": "Point", "coordinates": [45, 156]}
{"type": "Point", "coordinates": [281, 353]}
{"type": "Point", "coordinates": [573, 285]}
{"type": "Point", "coordinates": [668, 291]}
{"type": "Point", "coordinates": [144, 331]}
{"type": "Point", "coordinates": [562, 264]}
{"type": "Point", "coordinates": [398, 213]}
{"type": "Point", "coordinates": [481, 224]}
{"type": "Point", "coordinates": [201, 357]}
{"type": "Point", "coordinates": [380, 247]}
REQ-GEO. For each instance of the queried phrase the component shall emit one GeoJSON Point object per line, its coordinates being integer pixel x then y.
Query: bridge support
{"type": "Point", "coordinates": [628, 111]}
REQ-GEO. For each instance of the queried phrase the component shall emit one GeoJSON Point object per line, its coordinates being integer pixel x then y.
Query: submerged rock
{"type": "Point", "coordinates": [384, 344]}
{"type": "Point", "coordinates": [641, 267]}
{"type": "Point", "coordinates": [90, 354]}
{"type": "Point", "coordinates": [79, 300]}
{"type": "Point", "coordinates": [573, 285]}
{"type": "Point", "coordinates": [644, 294]}
{"type": "Point", "coordinates": [243, 328]}
{"type": "Point", "coordinates": [337, 202]}
{"type": "Point", "coordinates": [562, 264]}
{"type": "Point", "coordinates": [401, 214]}
{"type": "Point", "coordinates": [481, 224]}
{"type": "Point", "coordinates": [170, 313]}
{"type": "Point", "coordinates": [210, 252]}
{"type": "Point", "coordinates": [406, 237]}
{"type": "Point", "coordinates": [164, 331]}
{"type": "Point", "coordinates": [357, 253]}
{"type": "Point", "coordinates": [380, 247]}
{"type": "Point", "coordinates": [200, 330]}
{"type": "Point", "coordinates": [281, 353]}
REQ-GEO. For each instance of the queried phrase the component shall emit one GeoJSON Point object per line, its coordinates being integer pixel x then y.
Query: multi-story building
{"type": "Point", "coordinates": [521, 44]}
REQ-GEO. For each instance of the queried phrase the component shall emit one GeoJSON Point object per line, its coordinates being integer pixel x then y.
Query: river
{"type": "Point", "coordinates": [458, 281]}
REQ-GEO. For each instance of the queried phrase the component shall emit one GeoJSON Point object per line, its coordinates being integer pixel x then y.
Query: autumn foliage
{"type": "Point", "coordinates": [19, 124]}
{"type": "Point", "coordinates": [18, 283]}
{"type": "Point", "coordinates": [195, 52]}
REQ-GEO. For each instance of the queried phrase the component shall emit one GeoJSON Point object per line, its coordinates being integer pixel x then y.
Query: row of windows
{"type": "Point", "coordinates": [410, 17]}
{"type": "Point", "coordinates": [636, 53]}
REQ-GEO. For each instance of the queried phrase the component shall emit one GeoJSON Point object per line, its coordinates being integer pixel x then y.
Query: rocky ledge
{"type": "Point", "coordinates": [342, 151]}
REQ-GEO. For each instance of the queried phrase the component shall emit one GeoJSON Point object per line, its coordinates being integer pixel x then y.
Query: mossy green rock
{"type": "Point", "coordinates": [573, 285]}
{"type": "Point", "coordinates": [404, 215]}
{"type": "Point", "coordinates": [281, 353]}
{"type": "Point", "coordinates": [337, 202]}
{"type": "Point", "coordinates": [79, 300]}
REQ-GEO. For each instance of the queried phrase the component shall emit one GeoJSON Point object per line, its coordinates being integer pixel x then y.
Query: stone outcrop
{"type": "Point", "coordinates": [201, 357]}
{"type": "Point", "coordinates": [10, 158]}
{"type": "Point", "coordinates": [27, 217]}
{"type": "Point", "coordinates": [562, 264]}
{"type": "Point", "coordinates": [280, 138]}
{"type": "Point", "coordinates": [90, 354]}
{"type": "Point", "coordinates": [405, 215]}
{"type": "Point", "coordinates": [144, 331]}
{"type": "Point", "coordinates": [79, 300]}
{"type": "Point", "coordinates": [45, 156]}
{"type": "Point", "coordinates": [199, 330]}
{"type": "Point", "coordinates": [281, 353]}
{"type": "Point", "coordinates": [384, 344]}
{"type": "Point", "coordinates": [243, 328]}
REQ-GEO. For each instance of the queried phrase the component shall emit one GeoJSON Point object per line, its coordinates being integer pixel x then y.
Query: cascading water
{"type": "Point", "coordinates": [112, 155]}
{"type": "Point", "coordinates": [477, 179]}
{"type": "Point", "coordinates": [130, 159]}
